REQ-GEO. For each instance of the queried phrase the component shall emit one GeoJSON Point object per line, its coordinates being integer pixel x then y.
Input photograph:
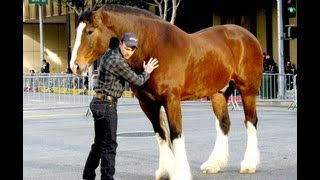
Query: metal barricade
{"type": "Point", "coordinates": [49, 91]}
{"type": "Point", "coordinates": [294, 104]}
{"type": "Point", "coordinates": [269, 92]}
{"type": "Point", "coordinates": [270, 86]}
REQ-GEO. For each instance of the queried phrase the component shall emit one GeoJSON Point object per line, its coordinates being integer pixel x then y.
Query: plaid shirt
{"type": "Point", "coordinates": [114, 71]}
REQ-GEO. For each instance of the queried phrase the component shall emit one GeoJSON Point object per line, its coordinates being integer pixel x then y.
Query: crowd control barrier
{"type": "Point", "coordinates": [49, 91]}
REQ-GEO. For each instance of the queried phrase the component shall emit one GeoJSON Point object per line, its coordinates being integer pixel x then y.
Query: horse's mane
{"type": "Point", "coordinates": [129, 10]}
{"type": "Point", "coordinates": [85, 15]}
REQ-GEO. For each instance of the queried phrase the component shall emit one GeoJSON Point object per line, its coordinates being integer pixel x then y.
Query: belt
{"type": "Point", "coordinates": [104, 96]}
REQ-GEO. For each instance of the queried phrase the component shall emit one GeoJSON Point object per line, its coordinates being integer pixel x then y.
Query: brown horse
{"type": "Point", "coordinates": [211, 62]}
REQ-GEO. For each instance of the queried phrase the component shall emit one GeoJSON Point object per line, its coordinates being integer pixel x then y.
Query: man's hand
{"type": "Point", "coordinates": [151, 65]}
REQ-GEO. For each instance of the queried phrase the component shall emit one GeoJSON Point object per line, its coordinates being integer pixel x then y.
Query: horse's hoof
{"type": "Point", "coordinates": [247, 171]}
{"type": "Point", "coordinates": [163, 178]}
{"type": "Point", "coordinates": [161, 175]}
{"type": "Point", "coordinates": [210, 170]}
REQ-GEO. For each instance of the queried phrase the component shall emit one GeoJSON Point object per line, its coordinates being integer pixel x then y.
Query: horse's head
{"type": "Point", "coordinates": [89, 43]}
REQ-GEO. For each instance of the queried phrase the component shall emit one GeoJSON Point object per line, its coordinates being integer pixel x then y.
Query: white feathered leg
{"type": "Point", "coordinates": [166, 159]}
{"type": "Point", "coordinates": [182, 168]}
{"type": "Point", "coordinates": [252, 155]}
{"type": "Point", "coordinates": [220, 153]}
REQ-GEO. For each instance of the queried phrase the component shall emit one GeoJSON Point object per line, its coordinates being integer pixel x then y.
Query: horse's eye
{"type": "Point", "coordinates": [90, 32]}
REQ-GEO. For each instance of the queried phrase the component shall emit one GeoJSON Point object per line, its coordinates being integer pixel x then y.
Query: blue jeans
{"type": "Point", "coordinates": [105, 141]}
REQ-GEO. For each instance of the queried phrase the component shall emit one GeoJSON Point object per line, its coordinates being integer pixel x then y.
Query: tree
{"type": "Point", "coordinates": [163, 8]}
{"type": "Point", "coordinates": [163, 5]}
{"type": "Point", "coordinates": [80, 5]}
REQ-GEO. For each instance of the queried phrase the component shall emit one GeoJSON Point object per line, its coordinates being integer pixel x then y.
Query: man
{"type": "Point", "coordinates": [113, 72]}
{"type": "Point", "coordinates": [45, 67]}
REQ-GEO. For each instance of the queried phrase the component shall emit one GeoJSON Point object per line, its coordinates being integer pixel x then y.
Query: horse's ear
{"type": "Point", "coordinates": [104, 17]}
{"type": "Point", "coordinates": [96, 18]}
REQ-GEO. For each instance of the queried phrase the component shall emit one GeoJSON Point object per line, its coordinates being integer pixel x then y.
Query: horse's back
{"type": "Point", "coordinates": [228, 32]}
{"type": "Point", "coordinates": [234, 39]}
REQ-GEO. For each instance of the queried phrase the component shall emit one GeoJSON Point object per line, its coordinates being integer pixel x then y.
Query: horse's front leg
{"type": "Point", "coordinates": [166, 158]}
{"type": "Point", "coordinates": [174, 116]}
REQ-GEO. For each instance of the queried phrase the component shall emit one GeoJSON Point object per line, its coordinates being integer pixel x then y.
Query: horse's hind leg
{"type": "Point", "coordinates": [166, 158]}
{"type": "Point", "coordinates": [251, 156]}
{"type": "Point", "coordinates": [220, 153]}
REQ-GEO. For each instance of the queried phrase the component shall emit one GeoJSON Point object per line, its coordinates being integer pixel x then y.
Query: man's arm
{"type": "Point", "coordinates": [124, 70]}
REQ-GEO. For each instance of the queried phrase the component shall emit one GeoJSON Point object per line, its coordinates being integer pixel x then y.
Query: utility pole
{"type": "Point", "coordinates": [281, 78]}
{"type": "Point", "coordinates": [68, 33]}
{"type": "Point", "coordinates": [41, 33]}
{"type": "Point", "coordinates": [40, 3]}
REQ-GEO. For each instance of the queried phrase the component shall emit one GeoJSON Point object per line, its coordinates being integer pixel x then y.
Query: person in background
{"type": "Point", "coordinates": [113, 72]}
{"type": "Point", "coordinates": [290, 71]}
{"type": "Point", "coordinates": [45, 68]}
{"type": "Point", "coordinates": [269, 65]}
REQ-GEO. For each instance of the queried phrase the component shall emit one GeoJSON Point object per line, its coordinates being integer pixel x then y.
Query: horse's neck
{"type": "Point", "coordinates": [125, 23]}
{"type": "Point", "coordinates": [132, 23]}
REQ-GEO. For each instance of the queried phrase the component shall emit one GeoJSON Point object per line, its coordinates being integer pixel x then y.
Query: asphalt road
{"type": "Point", "coordinates": [56, 143]}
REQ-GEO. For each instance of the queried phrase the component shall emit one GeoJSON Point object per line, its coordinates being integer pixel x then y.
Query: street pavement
{"type": "Point", "coordinates": [56, 143]}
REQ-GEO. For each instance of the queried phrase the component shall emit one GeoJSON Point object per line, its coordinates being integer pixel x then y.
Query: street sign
{"type": "Point", "coordinates": [290, 32]}
{"type": "Point", "coordinates": [38, 1]}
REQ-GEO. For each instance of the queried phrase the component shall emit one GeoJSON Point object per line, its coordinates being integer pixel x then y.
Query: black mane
{"type": "Point", "coordinates": [85, 15]}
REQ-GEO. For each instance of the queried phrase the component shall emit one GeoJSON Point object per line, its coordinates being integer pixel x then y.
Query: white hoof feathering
{"type": "Point", "coordinates": [166, 159]}
{"type": "Point", "coordinates": [220, 153]}
{"type": "Point", "coordinates": [182, 168]}
{"type": "Point", "coordinates": [252, 155]}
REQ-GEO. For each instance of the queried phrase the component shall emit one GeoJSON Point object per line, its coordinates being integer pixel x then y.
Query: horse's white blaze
{"type": "Point", "coordinates": [182, 168]}
{"type": "Point", "coordinates": [220, 153]}
{"type": "Point", "coordinates": [77, 43]}
{"type": "Point", "coordinates": [252, 155]}
{"type": "Point", "coordinates": [166, 159]}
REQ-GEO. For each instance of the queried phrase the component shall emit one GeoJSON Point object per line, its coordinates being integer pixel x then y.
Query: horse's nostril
{"type": "Point", "coordinates": [78, 67]}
